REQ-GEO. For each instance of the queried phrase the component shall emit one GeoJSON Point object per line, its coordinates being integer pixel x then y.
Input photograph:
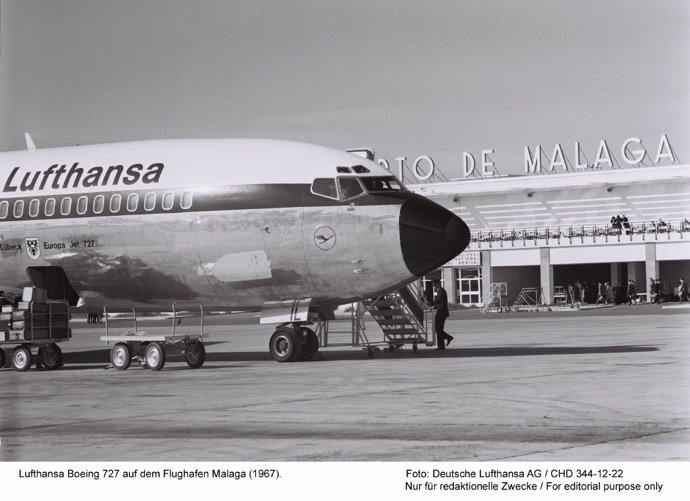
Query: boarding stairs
{"type": "Point", "coordinates": [495, 298]}
{"type": "Point", "coordinates": [402, 317]}
{"type": "Point", "coordinates": [529, 299]}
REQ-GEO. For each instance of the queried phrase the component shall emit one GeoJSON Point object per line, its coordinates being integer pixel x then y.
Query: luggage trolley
{"type": "Point", "coordinates": [149, 350]}
{"type": "Point", "coordinates": [36, 324]}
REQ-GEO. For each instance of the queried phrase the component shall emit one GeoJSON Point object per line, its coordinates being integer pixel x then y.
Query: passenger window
{"type": "Point", "coordinates": [49, 209]}
{"type": "Point", "coordinates": [132, 202]}
{"type": "Point", "coordinates": [65, 206]}
{"type": "Point", "coordinates": [34, 207]}
{"type": "Point", "coordinates": [150, 201]}
{"type": "Point", "coordinates": [325, 188]}
{"type": "Point", "coordinates": [82, 205]}
{"type": "Point", "coordinates": [186, 200]}
{"type": "Point", "coordinates": [349, 187]}
{"type": "Point", "coordinates": [18, 208]}
{"type": "Point", "coordinates": [98, 204]}
{"type": "Point", "coordinates": [4, 208]}
{"type": "Point", "coordinates": [168, 200]}
{"type": "Point", "coordinates": [115, 202]}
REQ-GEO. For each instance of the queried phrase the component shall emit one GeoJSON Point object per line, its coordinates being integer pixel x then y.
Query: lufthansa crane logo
{"type": "Point", "coordinates": [324, 238]}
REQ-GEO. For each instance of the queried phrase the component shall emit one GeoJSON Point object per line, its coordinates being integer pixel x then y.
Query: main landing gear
{"type": "Point", "coordinates": [293, 342]}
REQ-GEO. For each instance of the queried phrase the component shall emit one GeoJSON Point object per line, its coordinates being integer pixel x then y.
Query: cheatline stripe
{"type": "Point", "coordinates": [224, 198]}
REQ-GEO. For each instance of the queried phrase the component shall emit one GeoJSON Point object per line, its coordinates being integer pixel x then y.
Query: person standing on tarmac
{"type": "Point", "coordinates": [682, 290]}
{"type": "Point", "coordinates": [441, 304]}
{"type": "Point", "coordinates": [632, 293]}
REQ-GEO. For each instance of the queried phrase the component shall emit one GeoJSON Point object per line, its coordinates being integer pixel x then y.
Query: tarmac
{"type": "Point", "coordinates": [597, 385]}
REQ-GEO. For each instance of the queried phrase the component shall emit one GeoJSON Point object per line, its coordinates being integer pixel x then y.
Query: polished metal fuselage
{"type": "Point", "coordinates": [237, 259]}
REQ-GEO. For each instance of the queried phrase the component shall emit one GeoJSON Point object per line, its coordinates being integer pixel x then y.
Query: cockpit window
{"type": "Point", "coordinates": [325, 188]}
{"type": "Point", "coordinates": [343, 170]}
{"type": "Point", "coordinates": [360, 169]}
{"type": "Point", "coordinates": [349, 187]}
{"type": "Point", "coordinates": [385, 183]}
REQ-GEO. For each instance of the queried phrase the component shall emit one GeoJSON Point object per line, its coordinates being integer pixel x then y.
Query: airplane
{"type": "Point", "coordinates": [287, 228]}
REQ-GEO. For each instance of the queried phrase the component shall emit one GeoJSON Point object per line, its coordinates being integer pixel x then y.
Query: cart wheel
{"type": "Point", "coordinates": [3, 358]}
{"type": "Point", "coordinates": [21, 358]}
{"type": "Point", "coordinates": [195, 354]}
{"type": "Point", "coordinates": [120, 356]}
{"type": "Point", "coordinates": [155, 356]}
{"type": "Point", "coordinates": [51, 356]}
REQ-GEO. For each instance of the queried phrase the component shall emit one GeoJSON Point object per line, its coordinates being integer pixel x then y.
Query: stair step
{"type": "Point", "coordinates": [381, 302]}
{"type": "Point", "coordinates": [399, 332]}
{"type": "Point", "coordinates": [394, 321]}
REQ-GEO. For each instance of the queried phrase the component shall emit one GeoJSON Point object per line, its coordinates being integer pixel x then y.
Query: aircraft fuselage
{"type": "Point", "coordinates": [232, 224]}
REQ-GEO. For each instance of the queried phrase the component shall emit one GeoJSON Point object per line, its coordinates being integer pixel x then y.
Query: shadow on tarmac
{"type": "Point", "coordinates": [91, 359]}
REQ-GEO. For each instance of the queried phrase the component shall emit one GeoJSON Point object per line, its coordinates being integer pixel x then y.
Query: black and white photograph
{"type": "Point", "coordinates": [442, 247]}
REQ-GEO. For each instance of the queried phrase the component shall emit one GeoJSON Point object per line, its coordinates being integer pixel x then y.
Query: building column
{"type": "Point", "coordinates": [487, 278]}
{"type": "Point", "coordinates": [615, 274]}
{"type": "Point", "coordinates": [651, 267]}
{"type": "Point", "coordinates": [450, 284]}
{"type": "Point", "coordinates": [636, 274]}
{"type": "Point", "coordinates": [546, 274]}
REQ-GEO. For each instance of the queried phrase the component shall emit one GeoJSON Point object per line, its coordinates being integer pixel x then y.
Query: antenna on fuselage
{"type": "Point", "coordinates": [29, 142]}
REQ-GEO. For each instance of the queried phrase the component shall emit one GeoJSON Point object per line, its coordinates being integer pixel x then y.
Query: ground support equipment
{"type": "Point", "coordinates": [530, 299]}
{"type": "Point", "coordinates": [402, 317]}
{"type": "Point", "coordinates": [34, 328]}
{"type": "Point", "coordinates": [495, 298]}
{"type": "Point", "coordinates": [150, 350]}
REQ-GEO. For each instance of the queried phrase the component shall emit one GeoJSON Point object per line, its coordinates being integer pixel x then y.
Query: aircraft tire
{"type": "Point", "coordinates": [285, 345]}
{"type": "Point", "coordinates": [155, 356]}
{"type": "Point", "coordinates": [195, 354]}
{"type": "Point", "coordinates": [3, 358]}
{"type": "Point", "coordinates": [21, 358]}
{"type": "Point", "coordinates": [120, 356]}
{"type": "Point", "coordinates": [51, 355]}
{"type": "Point", "coordinates": [310, 342]}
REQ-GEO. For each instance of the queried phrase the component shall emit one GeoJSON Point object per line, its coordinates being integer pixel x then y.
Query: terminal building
{"type": "Point", "coordinates": [544, 232]}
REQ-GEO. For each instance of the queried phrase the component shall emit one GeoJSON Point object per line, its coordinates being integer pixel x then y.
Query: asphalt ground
{"type": "Point", "coordinates": [607, 384]}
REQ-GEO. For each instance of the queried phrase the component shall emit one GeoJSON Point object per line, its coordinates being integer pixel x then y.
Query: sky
{"type": "Point", "coordinates": [407, 78]}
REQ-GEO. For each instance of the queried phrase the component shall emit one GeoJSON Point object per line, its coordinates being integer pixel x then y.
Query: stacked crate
{"type": "Point", "coordinates": [33, 318]}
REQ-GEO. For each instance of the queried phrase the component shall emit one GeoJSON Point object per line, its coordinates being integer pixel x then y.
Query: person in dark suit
{"type": "Point", "coordinates": [441, 304]}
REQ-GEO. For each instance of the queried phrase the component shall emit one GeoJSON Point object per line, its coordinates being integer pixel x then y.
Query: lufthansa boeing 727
{"type": "Point", "coordinates": [235, 224]}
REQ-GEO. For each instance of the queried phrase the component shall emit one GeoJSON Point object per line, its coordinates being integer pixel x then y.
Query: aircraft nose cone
{"type": "Point", "coordinates": [430, 235]}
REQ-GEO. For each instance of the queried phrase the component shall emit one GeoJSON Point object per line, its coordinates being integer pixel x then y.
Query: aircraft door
{"type": "Point", "coordinates": [330, 237]}
{"type": "Point", "coordinates": [54, 281]}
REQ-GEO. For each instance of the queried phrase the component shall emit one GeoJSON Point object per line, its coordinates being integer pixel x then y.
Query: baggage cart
{"type": "Point", "coordinates": [149, 349]}
{"type": "Point", "coordinates": [34, 328]}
